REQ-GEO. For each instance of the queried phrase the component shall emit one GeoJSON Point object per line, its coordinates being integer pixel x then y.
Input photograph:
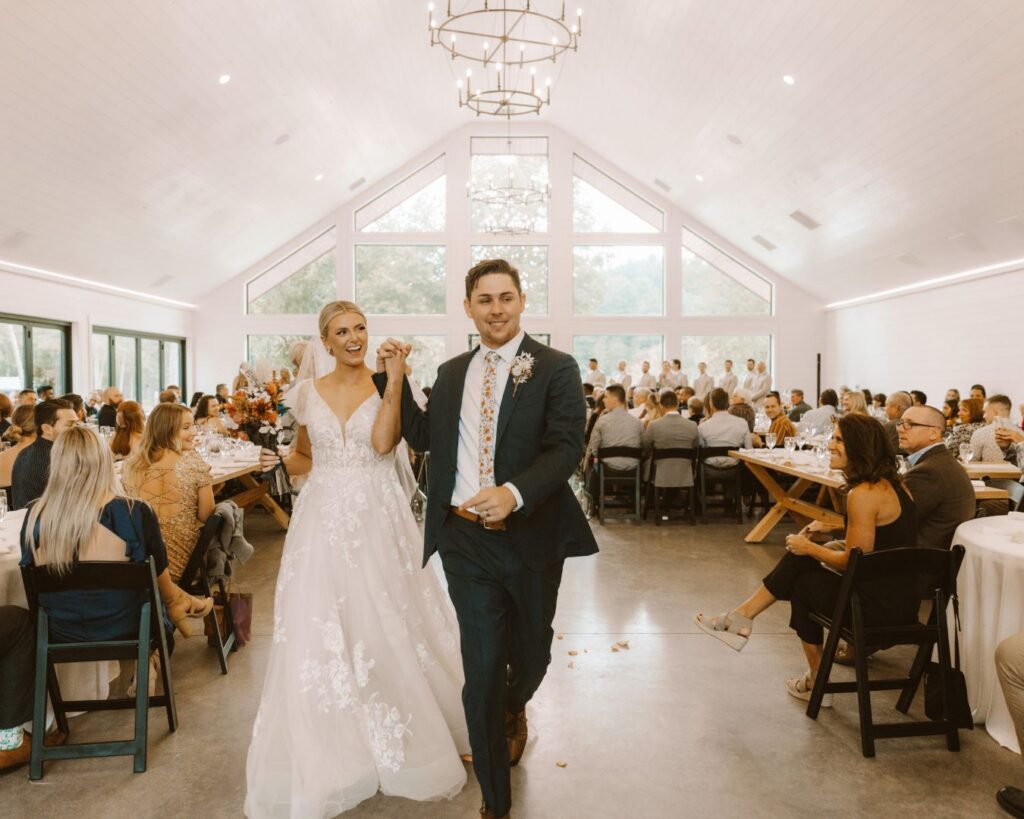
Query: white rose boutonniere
{"type": "Point", "coordinates": [521, 370]}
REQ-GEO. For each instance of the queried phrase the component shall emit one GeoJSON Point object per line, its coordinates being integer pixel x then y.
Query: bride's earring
{"type": "Point", "coordinates": [328, 351]}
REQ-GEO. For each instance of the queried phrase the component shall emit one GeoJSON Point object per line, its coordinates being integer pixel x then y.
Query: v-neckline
{"type": "Point", "coordinates": [342, 425]}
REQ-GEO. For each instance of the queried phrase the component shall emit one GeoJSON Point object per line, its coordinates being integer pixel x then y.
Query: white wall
{"type": "Point", "coordinates": [84, 307]}
{"type": "Point", "coordinates": [798, 325]}
{"type": "Point", "coordinates": [951, 336]}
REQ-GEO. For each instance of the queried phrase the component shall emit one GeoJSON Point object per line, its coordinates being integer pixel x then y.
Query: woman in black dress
{"type": "Point", "coordinates": [879, 515]}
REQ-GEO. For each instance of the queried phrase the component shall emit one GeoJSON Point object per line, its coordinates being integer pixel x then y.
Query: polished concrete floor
{"type": "Point", "coordinates": [678, 725]}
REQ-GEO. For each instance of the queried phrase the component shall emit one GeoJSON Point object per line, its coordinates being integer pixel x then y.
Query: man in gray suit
{"type": "Point", "coordinates": [671, 431]}
{"type": "Point", "coordinates": [703, 383]}
{"type": "Point", "coordinates": [615, 427]}
{"type": "Point", "coordinates": [942, 491]}
{"type": "Point", "coordinates": [727, 380]}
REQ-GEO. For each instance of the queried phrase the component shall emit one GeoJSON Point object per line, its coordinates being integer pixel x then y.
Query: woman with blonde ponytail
{"type": "Point", "coordinates": [169, 475]}
{"type": "Point", "coordinates": [21, 433]}
{"type": "Point", "coordinates": [82, 516]}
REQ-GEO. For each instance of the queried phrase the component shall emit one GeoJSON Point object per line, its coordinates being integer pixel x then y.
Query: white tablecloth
{"type": "Point", "coordinates": [991, 590]}
{"type": "Point", "coordinates": [78, 681]}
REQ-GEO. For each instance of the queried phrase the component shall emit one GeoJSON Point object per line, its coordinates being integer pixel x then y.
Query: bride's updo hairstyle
{"type": "Point", "coordinates": [334, 309]}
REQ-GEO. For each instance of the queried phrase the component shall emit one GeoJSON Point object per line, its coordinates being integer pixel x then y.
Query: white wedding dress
{"type": "Point", "coordinates": [363, 689]}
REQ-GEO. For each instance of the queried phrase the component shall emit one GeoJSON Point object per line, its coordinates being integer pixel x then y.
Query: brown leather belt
{"type": "Point", "coordinates": [497, 525]}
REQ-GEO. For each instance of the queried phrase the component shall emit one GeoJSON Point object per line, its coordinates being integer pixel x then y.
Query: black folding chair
{"type": "Point", "coordinates": [195, 581]}
{"type": "Point", "coordinates": [727, 475]}
{"type": "Point", "coordinates": [91, 576]}
{"type": "Point", "coordinates": [919, 568]}
{"type": "Point", "coordinates": [689, 457]}
{"type": "Point", "coordinates": [1015, 489]}
{"type": "Point", "coordinates": [608, 478]}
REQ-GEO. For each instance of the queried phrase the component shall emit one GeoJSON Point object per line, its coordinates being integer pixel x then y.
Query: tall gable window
{"type": "Point", "coordinates": [301, 283]}
{"type": "Point", "coordinates": [715, 284]}
{"type": "Point", "coordinates": [414, 205]}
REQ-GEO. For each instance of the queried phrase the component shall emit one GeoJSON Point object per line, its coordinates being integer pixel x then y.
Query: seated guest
{"type": "Point", "coordinates": [781, 426]}
{"type": "Point", "coordinates": [657, 410]}
{"type": "Point", "coordinates": [970, 417]}
{"type": "Point", "coordinates": [207, 415]}
{"type": "Point", "coordinates": [46, 393]}
{"type": "Point", "coordinates": [684, 394]}
{"type": "Point", "coordinates": [77, 404]}
{"type": "Point", "coordinates": [21, 433]}
{"type": "Point", "coordinates": [6, 409]}
{"type": "Point", "coordinates": [854, 403]}
{"type": "Point", "coordinates": [950, 411]}
{"type": "Point", "coordinates": [176, 390]}
{"type": "Point", "coordinates": [1010, 671]}
{"type": "Point", "coordinates": [616, 427]}
{"type": "Point", "coordinates": [879, 515]}
{"type": "Point", "coordinates": [696, 409]}
{"type": "Point", "coordinates": [130, 423]}
{"type": "Point", "coordinates": [920, 399]}
{"type": "Point", "coordinates": [92, 406]}
{"type": "Point", "coordinates": [222, 394]}
{"type": "Point", "coordinates": [868, 399]}
{"type": "Point", "coordinates": [978, 391]}
{"type": "Point", "coordinates": [897, 404]}
{"type": "Point", "coordinates": [168, 397]}
{"type": "Point", "coordinates": [17, 677]}
{"type": "Point", "coordinates": [641, 402]}
{"type": "Point", "coordinates": [953, 394]}
{"type": "Point", "coordinates": [739, 405]}
{"type": "Point", "coordinates": [1010, 440]}
{"type": "Point", "coordinates": [799, 406]}
{"type": "Point", "coordinates": [596, 413]}
{"type": "Point", "coordinates": [722, 428]}
{"type": "Point", "coordinates": [195, 399]}
{"type": "Point", "coordinates": [107, 416]}
{"type": "Point", "coordinates": [983, 441]}
{"type": "Point", "coordinates": [823, 417]}
{"type": "Point", "coordinates": [82, 517]}
{"type": "Point", "coordinates": [31, 469]}
{"type": "Point", "coordinates": [878, 402]}
{"type": "Point", "coordinates": [671, 431]}
{"type": "Point", "coordinates": [27, 398]}
{"type": "Point", "coordinates": [942, 491]}
{"type": "Point", "coordinates": [588, 395]}
{"type": "Point", "coordinates": [167, 473]}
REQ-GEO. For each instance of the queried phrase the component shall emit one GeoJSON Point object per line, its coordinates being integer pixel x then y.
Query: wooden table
{"type": "Point", "coordinates": [790, 502]}
{"type": "Point", "coordinates": [255, 492]}
{"type": "Point", "coordinates": [1002, 469]}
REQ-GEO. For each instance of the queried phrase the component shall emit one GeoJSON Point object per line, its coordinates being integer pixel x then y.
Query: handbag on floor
{"type": "Point", "coordinates": [959, 706]}
{"type": "Point", "coordinates": [240, 605]}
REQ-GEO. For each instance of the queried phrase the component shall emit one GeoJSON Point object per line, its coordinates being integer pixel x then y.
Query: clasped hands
{"type": "Point", "coordinates": [391, 357]}
{"type": "Point", "coordinates": [801, 543]}
{"type": "Point", "coordinates": [1008, 435]}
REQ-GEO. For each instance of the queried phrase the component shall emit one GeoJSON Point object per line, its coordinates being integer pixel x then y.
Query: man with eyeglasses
{"type": "Point", "coordinates": [942, 491]}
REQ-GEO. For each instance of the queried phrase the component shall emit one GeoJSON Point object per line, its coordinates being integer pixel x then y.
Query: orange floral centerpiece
{"type": "Point", "coordinates": [254, 410]}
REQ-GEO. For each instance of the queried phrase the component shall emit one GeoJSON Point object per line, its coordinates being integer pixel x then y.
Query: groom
{"type": "Point", "coordinates": [504, 427]}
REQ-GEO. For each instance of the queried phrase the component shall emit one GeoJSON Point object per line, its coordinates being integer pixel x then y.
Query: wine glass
{"type": "Point", "coordinates": [3, 507]}
{"type": "Point", "coordinates": [770, 440]}
{"type": "Point", "coordinates": [966, 454]}
{"type": "Point", "coordinates": [822, 456]}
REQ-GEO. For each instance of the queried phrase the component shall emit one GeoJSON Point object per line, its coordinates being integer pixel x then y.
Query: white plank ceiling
{"type": "Point", "coordinates": [122, 158]}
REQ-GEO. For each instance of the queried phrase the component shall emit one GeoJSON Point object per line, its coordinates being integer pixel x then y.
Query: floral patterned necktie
{"type": "Point", "coordinates": [488, 410]}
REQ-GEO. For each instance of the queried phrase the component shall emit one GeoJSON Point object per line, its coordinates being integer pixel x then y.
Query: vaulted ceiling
{"type": "Point", "coordinates": [124, 159]}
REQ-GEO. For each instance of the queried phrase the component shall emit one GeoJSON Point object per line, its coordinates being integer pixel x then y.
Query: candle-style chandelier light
{"type": "Point", "coordinates": [508, 39]}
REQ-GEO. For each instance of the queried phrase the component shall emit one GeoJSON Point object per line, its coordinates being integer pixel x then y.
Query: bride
{"type": "Point", "coordinates": [363, 686]}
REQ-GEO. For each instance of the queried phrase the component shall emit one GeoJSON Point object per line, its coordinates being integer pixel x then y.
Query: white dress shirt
{"type": "Point", "coordinates": [624, 379]}
{"type": "Point", "coordinates": [762, 385]}
{"type": "Point", "coordinates": [467, 463]}
{"type": "Point", "coordinates": [728, 382]}
{"type": "Point", "coordinates": [595, 377]}
{"type": "Point", "coordinates": [702, 385]}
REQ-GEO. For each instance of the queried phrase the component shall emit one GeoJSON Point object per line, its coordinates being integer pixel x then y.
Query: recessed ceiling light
{"type": "Point", "coordinates": [735, 140]}
{"type": "Point", "coordinates": [319, 177]}
{"type": "Point", "coordinates": [788, 79]}
{"type": "Point", "coordinates": [225, 79]}
{"type": "Point", "coordinates": [698, 177]}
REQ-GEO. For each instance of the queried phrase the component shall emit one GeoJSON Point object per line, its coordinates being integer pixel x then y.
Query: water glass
{"type": "Point", "coordinates": [770, 440]}
{"type": "Point", "coordinates": [966, 453]}
{"type": "Point", "coordinates": [790, 444]}
{"type": "Point", "coordinates": [822, 456]}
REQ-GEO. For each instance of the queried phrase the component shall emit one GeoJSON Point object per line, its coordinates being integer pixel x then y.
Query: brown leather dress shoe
{"type": "Point", "coordinates": [516, 731]}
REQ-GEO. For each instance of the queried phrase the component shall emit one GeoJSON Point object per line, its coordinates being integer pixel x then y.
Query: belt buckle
{"type": "Point", "coordinates": [487, 525]}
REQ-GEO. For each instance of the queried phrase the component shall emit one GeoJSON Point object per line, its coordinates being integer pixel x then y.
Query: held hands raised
{"type": "Point", "coordinates": [391, 357]}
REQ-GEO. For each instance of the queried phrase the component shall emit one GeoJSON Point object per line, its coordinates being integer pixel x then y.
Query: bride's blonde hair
{"type": "Point", "coordinates": [334, 309]}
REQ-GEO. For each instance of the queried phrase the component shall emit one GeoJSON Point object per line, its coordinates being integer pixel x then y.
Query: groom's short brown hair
{"type": "Point", "coordinates": [485, 268]}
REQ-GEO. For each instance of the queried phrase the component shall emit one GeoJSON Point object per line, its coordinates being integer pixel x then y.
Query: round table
{"type": "Point", "coordinates": [991, 591]}
{"type": "Point", "coordinates": [78, 681]}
